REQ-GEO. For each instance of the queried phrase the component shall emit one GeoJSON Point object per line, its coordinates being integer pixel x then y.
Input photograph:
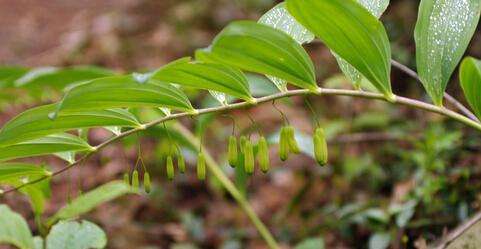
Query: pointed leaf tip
{"type": "Point", "coordinates": [443, 32]}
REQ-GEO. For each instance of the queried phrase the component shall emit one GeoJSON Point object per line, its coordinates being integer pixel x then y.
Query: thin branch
{"type": "Point", "coordinates": [456, 233]}
{"type": "Point", "coordinates": [405, 69]}
{"type": "Point", "coordinates": [460, 107]}
{"type": "Point", "coordinates": [301, 92]}
{"type": "Point", "coordinates": [447, 96]}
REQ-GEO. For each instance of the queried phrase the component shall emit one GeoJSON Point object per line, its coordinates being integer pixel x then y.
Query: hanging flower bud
{"type": "Point", "coordinates": [135, 179]}
{"type": "Point", "coordinates": [127, 179]}
{"type": "Point", "coordinates": [263, 154]}
{"type": "Point", "coordinates": [170, 168]}
{"type": "Point", "coordinates": [249, 160]}
{"type": "Point", "coordinates": [283, 144]}
{"type": "Point", "coordinates": [201, 166]}
{"type": "Point", "coordinates": [232, 151]}
{"type": "Point", "coordinates": [147, 182]}
{"type": "Point", "coordinates": [320, 147]}
{"type": "Point", "coordinates": [291, 139]}
{"type": "Point", "coordinates": [181, 163]}
{"type": "Point", "coordinates": [243, 140]}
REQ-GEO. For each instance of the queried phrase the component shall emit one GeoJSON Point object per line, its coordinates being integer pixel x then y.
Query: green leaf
{"type": "Point", "coordinates": [60, 78]}
{"type": "Point", "coordinates": [38, 242]}
{"type": "Point", "coordinates": [280, 19]}
{"type": "Point", "coordinates": [14, 230]}
{"type": "Point", "coordinates": [35, 123]}
{"type": "Point", "coordinates": [37, 194]}
{"type": "Point", "coordinates": [443, 31]}
{"type": "Point", "coordinates": [43, 146]}
{"type": "Point", "coordinates": [208, 76]}
{"type": "Point", "coordinates": [37, 199]}
{"type": "Point", "coordinates": [8, 74]}
{"type": "Point", "coordinates": [195, 228]}
{"type": "Point", "coordinates": [312, 243]}
{"type": "Point", "coordinates": [16, 174]}
{"type": "Point", "coordinates": [9, 171]}
{"type": "Point", "coordinates": [123, 91]}
{"type": "Point", "coordinates": [379, 241]}
{"type": "Point", "coordinates": [262, 49]}
{"type": "Point", "coordinates": [376, 8]}
{"type": "Point", "coordinates": [92, 199]}
{"type": "Point", "coordinates": [470, 78]}
{"type": "Point", "coordinates": [406, 213]}
{"type": "Point", "coordinates": [75, 235]}
{"type": "Point", "coordinates": [260, 85]}
{"type": "Point", "coordinates": [377, 215]}
{"type": "Point", "coordinates": [350, 31]}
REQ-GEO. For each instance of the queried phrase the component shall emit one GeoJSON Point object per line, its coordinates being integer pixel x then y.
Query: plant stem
{"type": "Point", "coordinates": [301, 92]}
{"type": "Point", "coordinates": [448, 97]}
{"type": "Point", "coordinates": [230, 187]}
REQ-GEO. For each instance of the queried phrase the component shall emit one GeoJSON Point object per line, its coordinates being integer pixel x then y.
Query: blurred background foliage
{"type": "Point", "coordinates": [397, 177]}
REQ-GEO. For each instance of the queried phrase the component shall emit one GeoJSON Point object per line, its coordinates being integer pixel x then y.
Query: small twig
{"type": "Point", "coordinates": [456, 233]}
{"type": "Point", "coordinates": [447, 96]}
{"type": "Point", "coordinates": [405, 69]}
{"type": "Point", "coordinates": [233, 123]}
{"type": "Point", "coordinates": [460, 107]}
{"type": "Point", "coordinates": [254, 123]}
{"type": "Point", "coordinates": [284, 117]}
{"type": "Point", "coordinates": [316, 116]}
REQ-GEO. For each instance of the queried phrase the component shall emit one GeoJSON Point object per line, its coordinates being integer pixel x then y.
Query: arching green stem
{"type": "Point", "coordinates": [302, 92]}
